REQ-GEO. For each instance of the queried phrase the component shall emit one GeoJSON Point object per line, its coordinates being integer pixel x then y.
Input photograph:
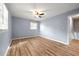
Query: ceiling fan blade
{"type": "Point", "coordinates": [42, 14]}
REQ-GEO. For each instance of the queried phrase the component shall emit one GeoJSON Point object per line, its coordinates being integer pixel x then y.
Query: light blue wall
{"type": "Point", "coordinates": [21, 28]}
{"type": "Point", "coordinates": [5, 38]}
{"type": "Point", "coordinates": [57, 27]}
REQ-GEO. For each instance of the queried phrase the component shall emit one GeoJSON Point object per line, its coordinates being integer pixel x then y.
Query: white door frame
{"type": "Point", "coordinates": [70, 34]}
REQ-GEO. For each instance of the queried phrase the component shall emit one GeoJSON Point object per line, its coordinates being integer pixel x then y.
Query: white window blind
{"type": "Point", "coordinates": [33, 25]}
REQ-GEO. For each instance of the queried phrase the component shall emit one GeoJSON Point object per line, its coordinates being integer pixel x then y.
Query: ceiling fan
{"type": "Point", "coordinates": [38, 13]}
{"type": "Point", "coordinates": [35, 11]}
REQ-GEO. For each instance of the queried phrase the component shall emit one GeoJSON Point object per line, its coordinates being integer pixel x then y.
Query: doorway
{"type": "Point", "coordinates": [74, 31]}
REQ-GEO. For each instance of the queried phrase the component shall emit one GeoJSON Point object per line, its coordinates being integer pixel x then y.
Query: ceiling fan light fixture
{"type": "Point", "coordinates": [38, 12]}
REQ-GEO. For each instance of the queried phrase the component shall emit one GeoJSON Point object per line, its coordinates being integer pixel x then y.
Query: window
{"type": "Point", "coordinates": [33, 25]}
{"type": "Point", "coordinates": [3, 17]}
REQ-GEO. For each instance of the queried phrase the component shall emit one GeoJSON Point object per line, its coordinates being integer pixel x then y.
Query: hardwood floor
{"type": "Point", "coordinates": [38, 46]}
{"type": "Point", "coordinates": [74, 43]}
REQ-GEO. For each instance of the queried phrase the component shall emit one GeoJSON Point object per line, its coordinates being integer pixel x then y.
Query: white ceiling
{"type": "Point", "coordinates": [51, 9]}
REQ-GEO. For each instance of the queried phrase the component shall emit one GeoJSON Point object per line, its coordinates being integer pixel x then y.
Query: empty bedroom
{"type": "Point", "coordinates": [39, 29]}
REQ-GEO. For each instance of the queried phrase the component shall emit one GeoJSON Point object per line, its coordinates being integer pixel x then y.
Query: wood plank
{"type": "Point", "coordinates": [38, 46]}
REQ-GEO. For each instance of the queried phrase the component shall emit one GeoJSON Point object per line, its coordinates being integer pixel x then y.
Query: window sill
{"type": "Point", "coordinates": [3, 30]}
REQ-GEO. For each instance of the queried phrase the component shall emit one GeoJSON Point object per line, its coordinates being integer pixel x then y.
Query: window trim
{"type": "Point", "coordinates": [4, 17]}
{"type": "Point", "coordinates": [35, 25]}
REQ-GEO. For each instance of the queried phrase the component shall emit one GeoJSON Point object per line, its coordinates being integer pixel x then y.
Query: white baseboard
{"type": "Point", "coordinates": [24, 37]}
{"type": "Point", "coordinates": [44, 36]}
{"type": "Point", "coordinates": [8, 48]}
